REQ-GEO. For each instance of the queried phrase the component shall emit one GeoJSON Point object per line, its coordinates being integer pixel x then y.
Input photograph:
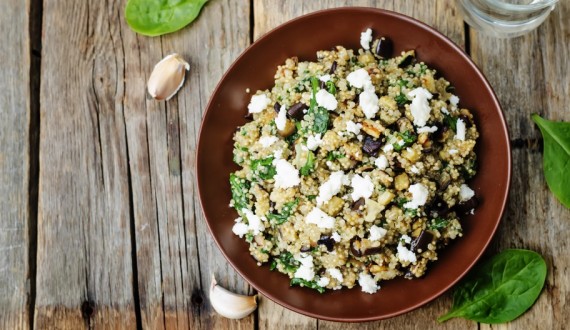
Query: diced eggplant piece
{"type": "Point", "coordinates": [356, 206]}
{"type": "Point", "coordinates": [464, 208]}
{"type": "Point", "coordinates": [466, 120]}
{"type": "Point", "coordinates": [421, 242]}
{"type": "Point", "coordinates": [297, 111]}
{"type": "Point", "coordinates": [371, 146]}
{"type": "Point", "coordinates": [437, 209]}
{"type": "Point", "coordinates": [373, 250]}
{"type": "Point", "coordinates": [326, 241]}
{"type": "Point", "coordinates": [333, 67]}
{"type": "Point", "coordinates": [277, 107]}
{"type": "Point", "coordinates": [408, 59]}
{"type": "Point", "coordinates": [355, 246]}
{"type": "Point", "coordinates": [384, 48]}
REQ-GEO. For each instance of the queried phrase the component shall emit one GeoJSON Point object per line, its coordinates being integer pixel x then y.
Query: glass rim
{"type": "Point", "coordinates": [520, 7]}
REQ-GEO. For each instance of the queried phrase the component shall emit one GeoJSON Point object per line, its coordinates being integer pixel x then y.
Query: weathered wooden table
{"type": "Point", "coordinates": [100, 224]}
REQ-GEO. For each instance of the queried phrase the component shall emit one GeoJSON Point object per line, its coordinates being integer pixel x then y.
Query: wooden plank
{"type": "Point", "coordinates": [14, 164]}
{"type": "Point", "coordinates": [530, 74]}
{"type": "Point", "coordinates": [84, 269]}
{"type": "Point", "coordinates": [175, 254]}
{"type": "Point", "coordinates": [444, 17]}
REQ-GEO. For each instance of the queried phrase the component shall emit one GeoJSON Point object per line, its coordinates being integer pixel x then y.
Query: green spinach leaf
{"type": "Point", "coordinates": [158, 17]}
{"type": "Point", "coordinates": [556, 159]}
{"type": "Point", "coordinates": [335, 154]}
{"type": "Point", "coordinates": [308, 284]}
{"type": "Point", "coordinates": [309, 166]}
{"type": "Point", "coordinates": [286, 211]}
{"type": "Point", "coordinates": [240, 188]}
{"type": "Point", "coordinates": [501, 289]}
{"type": "Point", "coordinates": [438, 224]}
{"type": "Point", "coordinates": [451, 122]}
{"type": "Point", "coordinates": [331, 87]}
{"type": "Point", "coordinates": [263, 168]}
{"type": "Point", "coordinates": [287, 261]}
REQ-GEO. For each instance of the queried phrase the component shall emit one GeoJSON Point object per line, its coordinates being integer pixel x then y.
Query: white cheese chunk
{"type": "Point", "coordinates": [359, 78]}
{"type": "Point", "coordinates": [258, 103]}
{"type": "Point", "coordinates": [305, 271]}
{"type": "Point", "coordinates": [465, 193]}
{"type": "Point", "coordinates": [404, 254]}
{"type": "Point", "coordinates": [336, 274]}
{"type": "Point", "coordinates": [367, 283]}
{"type": "Point", "coordinates": [454, 100]}
{"type": "Point", "coordinates": [362, 187]}
{"type": "Point", "coordinates": [240, 229]}
{"type": "Point", "coordinates": [381, 162]}
{"type": "Point", "coordinates": [330, 188]}
{"type": "Point", "coordinates": [460, 135]}
{"type": "Point", "coordinates": [419, 196]}
{"type": "Point", "coordinates": [335, 236]}
{"type": "Point", "coordinates": [377, 233]}
{"type": "Point", "coordinates": [267, 141]}
{"type": "Point", "coordinates": [320, 218]}
{"type": "Point", "coordinates": [452, 151]}
{"type": "Point", "coordinates": [368, 101]}
{"type": "Point", "coordinates": [286, 175]}
{"type": "Point", "coordinates": [388, 147]}
{"type": "Point", "coordinates": [414, 169]}
{"type": "Point", "coordinates": [353, 127]}
{"type": "Point", "coordinates": [419, 108]}
{"type": "Point", "coordinates": [254, 222]}
{"type": "Point", "coordinates": [427, 129]}
{"type": "Point", "coordinates": [366, 38]}
{"type": "Point", "coordinates": [325, 78]}
{"type": "Point", "coordinates": [314, 141]}
{"type": "Point", "coordinates": [281, 119]}
{"type": "Point", "coordinates": [323, 281]}
{"type": "Point", "coordinates": [326, 100]}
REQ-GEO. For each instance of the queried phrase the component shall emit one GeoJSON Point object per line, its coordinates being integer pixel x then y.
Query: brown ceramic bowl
{"type": "Point", "coordinates": [302, 37]}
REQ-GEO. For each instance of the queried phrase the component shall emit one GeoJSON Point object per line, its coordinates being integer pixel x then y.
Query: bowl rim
{"type": "Point", "coordinates": [408, 20]}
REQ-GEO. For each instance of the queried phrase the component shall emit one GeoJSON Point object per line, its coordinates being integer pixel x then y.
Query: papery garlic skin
{"type": "Point", "coordinates": [167, 77]}
{"type": "Point", "coordinates": [229, 304]}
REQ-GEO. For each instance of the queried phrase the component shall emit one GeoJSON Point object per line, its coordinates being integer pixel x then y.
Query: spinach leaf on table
{"type": "Point", "coordinates": [556, 159]}
{"type": "Point", "coordinates": [501, 289]}
{"type": "Point", "coordinates": [158, 17]}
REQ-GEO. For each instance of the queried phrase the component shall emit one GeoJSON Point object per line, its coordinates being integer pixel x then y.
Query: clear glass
{"type": "Point", "coordinates": [506, 18]}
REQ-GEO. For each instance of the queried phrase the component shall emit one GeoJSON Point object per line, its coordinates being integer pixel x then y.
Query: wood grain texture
{"type": "Point", "coordinates": [443, 16]}
{"type": "Point", "coordinates": [14, 163]}
{"type": "Point", "coordinates": [530, 74]}
{"type": "Point", "coordinates": [84, 270]}
{"type": "Point", "coordinates": [175, 254]}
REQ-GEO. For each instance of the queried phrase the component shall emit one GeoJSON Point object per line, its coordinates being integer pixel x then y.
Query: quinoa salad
{"type": "Point", "coordinates": [353, 168]}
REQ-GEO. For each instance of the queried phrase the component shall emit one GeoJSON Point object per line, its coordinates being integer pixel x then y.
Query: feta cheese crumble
{"type": "Point", "coordinates": [369, 102]}
{"type": "Point", "coordinates": [419, 108]}
{"type": "Point", "coordinates": [465, 193]}
{"type": "Point", "coordinates": [452, 151]}
{"type": "Point", "coordinates": [367, 283]}
{"type": "Point", "coordinates": [320, 218]}
{"type": "Point", "coordinates": [414, 169]}
{"type": "Point", "coordinates": [267, 141]}
{"type": "Point", "coordinates": [336, 274]}
{"type": "Point", "coordinates": [326, 100]}
{"type": "Point", "coordinates": [366, 38]}
{"type": "Point", "coordinates": [377, 233]}
{"type": "Point", "coordinates": [454, 100]}
{"type": "Point", "coordinates": [258, 103]}
{"type": "Point", "coordinates": [240, 229]}
{"type": "Point", "coordinates": [330, 188]}
{"type": "Point", "coordinates": [305, 271]}
{"type": "Point", "coordinates": [460, 135]}
{"type": "Point", "coordinates": [335, 236]}
{"type": "Point", "coordinates": [314, 141]}
{"type": "Point", "coordinates": [388, 147]}
{"type": "Point", "coordinates": [323, 281]}
{"type": "Point", "coordinates": [362, 187]}
{"type": "Point", "coordinates": [381, 162]}
{"type": "Point", "coordinates": [325, 78]}
{"type": "Point", "coordinates": [427, 129]}
{"type": "Point", "coordinates": [419, 196]}
{"type": "Point", "coordinates": [444, 110]}
{"type": "Point", "coordinates": [353, 127]}
{"type": "Point", "coordinates": [359, 78]}
{"type": "Point", "coordinates": [254, 222]}
{"type": "Point", "coordinates": [404, 254]}
{"type": "Point", "coordinates": [281, 119]}
{"type": "Point", "coordinates": [286, 175]}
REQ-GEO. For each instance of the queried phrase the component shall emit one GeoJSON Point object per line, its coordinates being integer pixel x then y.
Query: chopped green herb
{"type": "Point", "coordinates": [286, 211]}
{"type": "Point", "coordinates": [263, 168]}
{"type": "Point", "coordinates": [249, 237]}
{"type": "Point", "coordinates": [401, 99]}
{"type": "Point", "coordinates": [311, 197]}
{"type": "Point", "coordinates": [450, 121]}
{"type": "Point", "coordinates": [321, 123]}
{"type": "Point", "coordinates": [334, 155]}
{"type": "Point", "coordinates": [408, 137]}
{"type": "Point", "coordinates": [400, 201]}
{"type": "Point", "coordinates": [331, 87]}
{"type": "Point", "coordinates": [264, 251]}
{"type": "Point", "coordinates": [411, 212]}
{"type": "Point", "coordinates": [288, 262]}
{"type": "Point", "coordinates": [240, 188]}
{"type": "Point", "coordinates": [308, 284]}
{"type": "Point", "coordinates": [423, 68]}
{"type": "Point", "coordinates": [402, 82]}
{"type": "Point", "coordinates": [309, 166]}
{"type": "Point", "coordinates": [438, 224]}
{"type": "Point", "coordinates": [273, 264]}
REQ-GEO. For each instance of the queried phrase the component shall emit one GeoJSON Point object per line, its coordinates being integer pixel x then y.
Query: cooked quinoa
{"type": "Point", "coordinates": [353, 168]}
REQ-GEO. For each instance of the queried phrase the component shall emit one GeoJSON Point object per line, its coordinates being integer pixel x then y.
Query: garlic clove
{"type": "Point", "coordinates": [229, 304]}
{"type": "Point", "coordinates": [167, 77]}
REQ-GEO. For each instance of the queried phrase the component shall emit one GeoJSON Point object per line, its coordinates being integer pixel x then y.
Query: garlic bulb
{"type": "Point", "coordinates": [167, 77]}
{"type": "Point", "coordinates": [229, 304]}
